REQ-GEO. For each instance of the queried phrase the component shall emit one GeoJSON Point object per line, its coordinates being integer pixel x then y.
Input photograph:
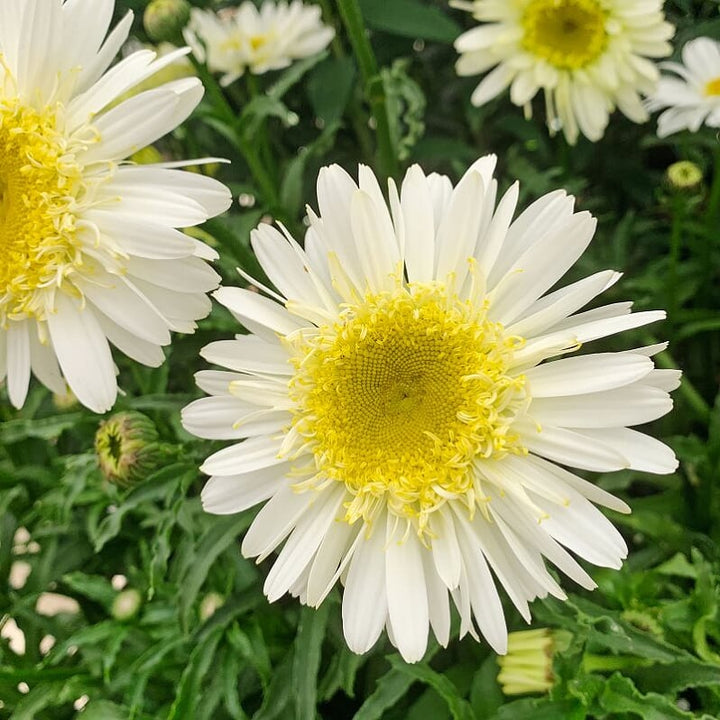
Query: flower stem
{"type": "Point", "coordinates": [259, 172]}
{"type": "Point", "coordinates": [387, 160]}
{"type": "Point", "coordinates": [678, 219]}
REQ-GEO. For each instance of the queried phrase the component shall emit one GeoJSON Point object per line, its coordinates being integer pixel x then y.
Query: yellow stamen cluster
{"type": "Point", "coordinates": [712, 87]}
{"type": "Point", "coordinates": [39, 184]}
{"type": "Point", "coordinates": [569, 34]}
{"type": "Point", "coordinates": [400, 396]}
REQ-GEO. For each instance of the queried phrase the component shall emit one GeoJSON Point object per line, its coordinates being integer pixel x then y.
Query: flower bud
{"type": "Point", "coordinates": [164, 20]}
{"type": "Point", "coordinates": [528, 665]}
{"type": "Point", "coordinates": [210, 604]}
{"type": "Point", "coordinates": [126, 604]}
{"type": "Point", "coordinates": [683, 177]}
{"type": "Point", "coordinates": [127, 448]}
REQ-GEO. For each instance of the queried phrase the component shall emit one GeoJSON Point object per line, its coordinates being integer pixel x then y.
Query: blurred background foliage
{"type": "Point", "coordinates": [159, 614]}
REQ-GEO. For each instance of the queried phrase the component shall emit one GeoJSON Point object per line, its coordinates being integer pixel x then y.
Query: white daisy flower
{"type": "Point", "coordinates": [236, 39]}
{"type": "Point", "coordinates": [89, 251]}
{"type": "Point", "coordinates": [397, 415]}
{"type": "Point", "coordinates": [692, 94]}
{"type": "Point", "coordinates": [587, 56]}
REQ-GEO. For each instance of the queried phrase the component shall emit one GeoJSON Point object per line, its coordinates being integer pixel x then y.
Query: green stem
{"type": "Point", "coordinates": [261, 176]}
{"type": "Point", "coordinates": [265, 150]}
{"type": "Point", "coordinates": [609, 663]}
{"type": "Point", "coordinates": [374, 89]}
{"type": "Point", "coordinates": [713, 205]}
{"type": "Point", "coordinates": [678, 219]}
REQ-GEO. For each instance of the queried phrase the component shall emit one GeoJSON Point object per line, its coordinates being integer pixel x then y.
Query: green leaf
{"type": "Point", "coordinates": [188, 695]}
{"type": "Point", "coordinates": [218, 537]}
{"type": "Point", "coordinates": [104, 710]}
{"type": "Point", "coordinates": [390, 688]}
{"type": "Point", "coordinates": [330, 86]}
{"type": "Point", "coordinates": [49, 428]}
{"type": "Point", "coordinates": [410, 18]}
{"type": "Point", "coordinates": [94, 587]}
{"type": "Point", "coordinates": [458, 706]}
{"type": "Point", "coordinates": [306, 663]}
{"type": "Point", "coordinates": [621, 696]}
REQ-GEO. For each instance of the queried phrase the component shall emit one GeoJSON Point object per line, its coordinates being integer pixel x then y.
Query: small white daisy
{"type": "Point", "coordinates": [89, 250]}
{"type": "Point", "coordinates": [397, 415]}
{"type": "Point", "coordinates": [236, 39]}
{"type": "Point", "coordinates": [692, 94]}
{"type": "Point", "coordinates": [587, 56]}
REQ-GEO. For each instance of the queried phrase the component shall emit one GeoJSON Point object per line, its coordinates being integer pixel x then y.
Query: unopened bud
{"type": "Point", "coordinates": [127, 447]}
{"type": "Point", "coordinates": [210, 604]}
{"type": "Point", "coordinates": [126, 604]}
{"type": "Point", "coordinates": [684, 176]}
{"type": "Point", "coordinates": [528, 665]}
{"type": "Point", "coordinates": [164, 20]}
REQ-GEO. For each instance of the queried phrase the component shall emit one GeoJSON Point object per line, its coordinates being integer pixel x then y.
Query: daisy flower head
{"type": "Point", "coordinates": [692, 93]}
{"type": "Point", "coordinates": [247, 38]}
{"type": "Point", "coordinates": [394, 409]}
{"type": "Point", "coordinates": [587, 56]}
{"type": "Point", "coordinates": [89, 250]}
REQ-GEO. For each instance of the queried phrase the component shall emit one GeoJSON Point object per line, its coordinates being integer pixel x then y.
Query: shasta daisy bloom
{"type": "Point", "coordinates": [692, 93]}
{"type": "Point", "coordinates": [236, 39]}
{"type": "Point", "coordinates": [89, 250]}
{"type": "Point", "coordinates": [587, 56]}
{"type": "Point", "coordinates": [395, 411]}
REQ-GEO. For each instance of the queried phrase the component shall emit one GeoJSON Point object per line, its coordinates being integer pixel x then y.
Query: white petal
{"type": "Point", "coordinates": [406, 594]}
{"type": "Point", "coordinates": [18, 362]}
{"type": "Point", "coordinates": [303, 542]}
{"type": "Point", "coordinates": [274, 522]}
{"type": "Point", "coordinates": [586, 374]}
{"type": "Point", "coordinates": [83, 353]}
{"type": "Point", "coordinates": [364, 606]}
{"type": "Point", "coordinates": [228, 494]}
{"type": "Point", "coordinates": [244, 457]}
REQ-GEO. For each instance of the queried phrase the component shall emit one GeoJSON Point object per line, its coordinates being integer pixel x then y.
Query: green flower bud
{"type": "Point", "coordinates": [126, 604]}
{"type": "Point", "coordinates": [684, 177]}
{"type": "Point", "coordinates": [127, 448]}
{"type": "Point", "coordinates": [164, 20]}
{"type": "Point", "coordinates": [528, 665]}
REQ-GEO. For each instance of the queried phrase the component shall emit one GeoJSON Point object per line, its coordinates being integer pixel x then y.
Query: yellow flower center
{"type": "Point", "coordinates": [713, 87]}
{"type": "Point", "coordinates": [257, 41]}
{"type": "Point", "coordinates": [400, 396]}
{"type": "Point", "coordinates": [569, 34]}
{"type": "Point", "coordinates": [39, 181]}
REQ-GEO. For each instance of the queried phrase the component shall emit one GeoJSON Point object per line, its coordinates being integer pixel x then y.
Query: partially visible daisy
{"type": "Point", "coordinates": [245, 38]}
{"type": "Point", "coordinates": [89, 250]}
{"type": "Point", "coordinates": [394, 411]}
{"type": "Point", "coordinates": [692, 93]}
{"type": "Point", "coordinates": [587, 56]}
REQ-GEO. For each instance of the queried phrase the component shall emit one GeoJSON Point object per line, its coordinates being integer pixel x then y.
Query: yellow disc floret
{"type": "Point", "coordinates": [712, 87]}
{"type": "Point", "coordinates": [569, 34]}
{"type": "Point", "coordinates": [400, 396]}
{"type": "Point", "coordinates": [40, 182]}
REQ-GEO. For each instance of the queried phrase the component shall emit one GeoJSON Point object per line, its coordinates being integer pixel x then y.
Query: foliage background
{"type": "Point", "coordinates": [645, 644]}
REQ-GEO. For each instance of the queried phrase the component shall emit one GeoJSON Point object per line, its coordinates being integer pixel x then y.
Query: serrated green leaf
{"type": "Point", "coordinates": [459, 708]}
{"type": "Point", "coordinates": [306, 663]}
{"type": "Point", "coordinates": [217, 538]}
{"type": "Point", "coordinates": [621, 696]}
{"type": "Point", "coordinates": [188, 695]}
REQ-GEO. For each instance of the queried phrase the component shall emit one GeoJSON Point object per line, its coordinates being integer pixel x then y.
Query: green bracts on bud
{"type": "Point", "coordinates": [528, 665]}
{"type": "Point", "coordinates": [683, 177]}
{"type": "Point", "coordinates": [164, 20]}
{"type": "Point", "coordinates": [127, 448]}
